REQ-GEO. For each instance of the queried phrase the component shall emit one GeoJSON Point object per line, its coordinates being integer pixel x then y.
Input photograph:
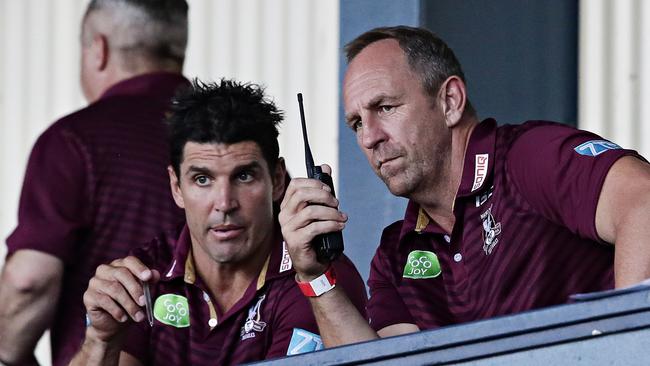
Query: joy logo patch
{"type": "Point", "coordinates": [172, 310]}
{"type": "Point", "coordinates": [422, 264]}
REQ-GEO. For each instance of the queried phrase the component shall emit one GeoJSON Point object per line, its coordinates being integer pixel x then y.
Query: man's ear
{"type": "Point", "coordinates": [175, 186]}
{"type": "Point", "coordinates": [99, 52]}
{"type": "Point", "coordinates": [279, 180]}
{"type": "Point", "coordinates": [453, 97]}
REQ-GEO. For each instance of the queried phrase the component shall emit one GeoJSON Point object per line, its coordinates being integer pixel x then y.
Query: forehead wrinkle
{"type": "Point", "coordinates": [219, 155]}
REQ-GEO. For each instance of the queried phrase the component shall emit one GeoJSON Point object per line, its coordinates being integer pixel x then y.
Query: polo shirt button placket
{"type": "Point", "coordinates": [212, 322]}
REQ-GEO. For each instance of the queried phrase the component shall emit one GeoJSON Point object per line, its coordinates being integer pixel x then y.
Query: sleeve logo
{"type": "Point", "coordinates": [172, 310]}
{"type": "Point", "coordinates": [303, 341]}
{"type": "Point", "coordinates": [595, 147]}
{"type": "Point", "coordinates": [422, 264]}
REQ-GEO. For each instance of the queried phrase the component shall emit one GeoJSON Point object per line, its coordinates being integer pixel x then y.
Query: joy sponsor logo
{"type": "Point", "coordinates": [172, 310]}
{"type": "Point", "coordinates": [422, 264]}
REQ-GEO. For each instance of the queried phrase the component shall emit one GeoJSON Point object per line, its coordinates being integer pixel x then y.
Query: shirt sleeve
{"type": "Point", "coordinates": [54, 200]}
{"type": "Point", "coordinates": [294, 328]}
{"type": "Point", "coordinates": [385, 306]}
{"type": "Point", "coordinates": [560, 171]}
{"type": "Point", "coordinates": [136, 341]}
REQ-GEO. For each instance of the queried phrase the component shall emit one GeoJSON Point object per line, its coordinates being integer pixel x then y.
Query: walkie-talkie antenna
{"type": "Point", "coordinates": [328, 246]}
{"type": "Point", "coordinates": [309, 159]}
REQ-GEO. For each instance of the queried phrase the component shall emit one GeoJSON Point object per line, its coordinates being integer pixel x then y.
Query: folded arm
{"type": "Point", "coordinates": [29, 289]}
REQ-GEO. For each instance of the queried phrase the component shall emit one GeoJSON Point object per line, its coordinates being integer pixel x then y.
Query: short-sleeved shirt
{"type": "Point", "coordinates": [524, 235]}
{"type": "Point", "coordinates": [272, 319]}
{"type": "Point", "coordinates": [96, 186]}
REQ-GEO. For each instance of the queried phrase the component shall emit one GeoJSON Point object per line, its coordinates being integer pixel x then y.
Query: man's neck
{"type": "Point", "coordinates": [439, 204]}
{"type": "Point", "coordinates": [115, 74]}
{"type": "Point", "coordinates": [227, 282]}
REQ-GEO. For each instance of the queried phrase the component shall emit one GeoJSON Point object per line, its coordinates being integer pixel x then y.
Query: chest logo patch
{"type": "Point", "coordinates": [422, 264]}
{"type": "Point", "coordinates": [491, 229]}
{"type": "Point", "coordinates": [172, 310]}
{"type": "Point", "coordinates": [303, 341]}
{"type": "Point", "coordinates": [595, 147]}
{"type": "Point", "coordinates": [254, 323]}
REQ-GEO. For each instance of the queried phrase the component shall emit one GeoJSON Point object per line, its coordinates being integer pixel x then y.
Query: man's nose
{"type": "Point", "coordinates": [372, 133]}
{"type": "Point", "coordinates": [225, 198]}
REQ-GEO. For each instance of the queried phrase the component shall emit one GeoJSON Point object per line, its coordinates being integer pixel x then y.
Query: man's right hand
{"type": "Point", "coordinates": [308, 210]}
{"type": "Point", "coordinates": [115, 295]}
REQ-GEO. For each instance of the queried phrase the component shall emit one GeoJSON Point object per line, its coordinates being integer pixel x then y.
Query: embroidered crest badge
{"type": "Point", "coordinates": [491, 229]}
{"type": "Point", "coordinates": [253, 322]}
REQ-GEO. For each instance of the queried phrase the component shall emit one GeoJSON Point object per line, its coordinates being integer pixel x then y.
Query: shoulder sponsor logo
{"type": "Point", "coordinates": [254, 323]}
{"type": "Point", "coordinates": [491, 229]}
{"type": "Point", "coordinates": [595, 147]}
{"type": "Point", "coordinates": [172, 310]}
{"type": "Point", "coordinates": [480, 200]}
{"type": "Point", "coordinates": [422, 264]}
{"type": "Point", "coordinates": [480, 170]}
{"type": "Point", "coordinates": [303, 341]}
{"type": "Point", "coordinates": [285, 263]}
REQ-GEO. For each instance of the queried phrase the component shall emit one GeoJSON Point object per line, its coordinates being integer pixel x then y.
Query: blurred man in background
{"type": "Point", "coordinates": [96, 182]}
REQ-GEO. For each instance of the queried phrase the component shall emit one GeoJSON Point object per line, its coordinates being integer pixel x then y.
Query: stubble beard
{"type": "Point", "coordinates": [401, 182]}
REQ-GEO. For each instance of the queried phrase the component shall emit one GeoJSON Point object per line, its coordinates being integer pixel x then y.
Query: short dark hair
{"type": "Point", "coordinates": [224, 112]}
{"type": "Point", "coordinates": [154, 29]}
{"type": "Point", "coordinates": [428, 55]}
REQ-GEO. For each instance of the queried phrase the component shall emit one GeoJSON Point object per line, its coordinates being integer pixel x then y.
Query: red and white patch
{"type": "Point", "coordinates": [285, 263]}
{"type": "Point", "coordinates": [480, 170]}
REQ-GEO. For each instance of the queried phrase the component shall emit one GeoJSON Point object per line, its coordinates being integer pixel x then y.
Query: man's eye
{"type": "Point", "coordinates": [202, 180]}
{"type": "Point", "coordinates": [386, 108]}
{"type": "Point", "coordinates": [245, 177]}
{"type": "Point", "coordinates": [356, 125]}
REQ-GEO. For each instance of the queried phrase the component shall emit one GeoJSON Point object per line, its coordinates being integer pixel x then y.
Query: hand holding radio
{"type": "Point", "coordinates": [310, 219]}
{"type": "Point", "coordinates": [328, 246]}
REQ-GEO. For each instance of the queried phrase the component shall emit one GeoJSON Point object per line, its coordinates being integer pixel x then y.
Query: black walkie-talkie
{"type": "Point", "coordinates": [330, 245]}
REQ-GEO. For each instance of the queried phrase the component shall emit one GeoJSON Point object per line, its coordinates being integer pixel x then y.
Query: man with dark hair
{"type": "Point", "coordinates": [500, 219]}
{"type": "Point", "coordinates": [223, 289]}
{"type": "Point", "coordinates": [95, 184]}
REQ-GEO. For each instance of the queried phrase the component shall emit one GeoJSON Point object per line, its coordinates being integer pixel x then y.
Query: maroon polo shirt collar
{"type": "Point", "coordinates": [477, 170]}
{"type": "Point", "coordinates": [479, 159]}
{"type": "Point", "coordinates": [155, 83]}
{"type": "Point", "coordinates": [181, 252]}
{"type": "Point", "coordinates": [182, 268]}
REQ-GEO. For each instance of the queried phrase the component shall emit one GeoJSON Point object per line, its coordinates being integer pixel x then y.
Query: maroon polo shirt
{"type": "Point", "coordinates": [273, 318]}
{"type": "Point", "coordinates": [524, 235]}
{"type": "Point", "coordinates": [96, 186]}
